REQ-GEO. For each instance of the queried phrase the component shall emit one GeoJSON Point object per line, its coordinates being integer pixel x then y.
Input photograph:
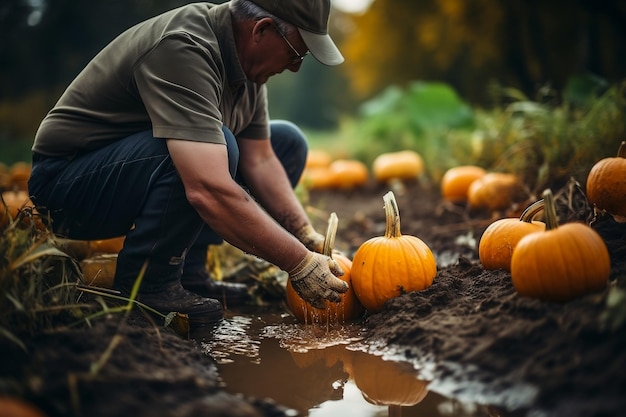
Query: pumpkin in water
{"type": "Point", "coordinates": [456, 181]}
{"type": "Point", "coordinates": [387, 266]}
{"type": "Point", "coordinates": [606, 185]}
{"type": "Point", "coordinates": [500, 238]}
{"type": "Point", "coordinates": [345, 310]}
{"type": "Point", "coordinates": [385, 382]}
{"type": "Point", "coordinates": [563, 262]}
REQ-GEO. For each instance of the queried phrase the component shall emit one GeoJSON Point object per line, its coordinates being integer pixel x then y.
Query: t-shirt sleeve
{"type": "Point", "coordinates": [180, 84]}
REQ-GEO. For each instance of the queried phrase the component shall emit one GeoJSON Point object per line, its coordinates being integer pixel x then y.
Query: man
{"type": "Point", "coordinates": [156, 136]}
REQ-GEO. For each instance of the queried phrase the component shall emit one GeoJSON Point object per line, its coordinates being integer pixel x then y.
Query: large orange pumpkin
{"type": "Point", "coordinates": [387, 266]}
{"type": "Point", "coordinates": [563, 262]}
{"type": "Point", "coordinates": [606, 185]}
{"type": "Point", "coordinates": [456, 181]}
{"type": "Point", "coordinates": [345, 310]}
{"type": "Point", "coordinates": [500, 238]}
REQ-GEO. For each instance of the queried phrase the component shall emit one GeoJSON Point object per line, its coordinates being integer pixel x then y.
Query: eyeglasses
{"type": "Point", "coordinates": [299, 58]}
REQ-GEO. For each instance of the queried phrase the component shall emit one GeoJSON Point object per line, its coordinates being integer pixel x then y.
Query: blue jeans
{"type": "Point", "coordinates": [131, 188]}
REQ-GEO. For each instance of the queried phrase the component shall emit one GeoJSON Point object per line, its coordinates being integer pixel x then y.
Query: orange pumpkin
{"type": "Point", "coordinates": [348, 173]}
{"type": "Point", "coordinates": [112, 245]}
{"type": "Point", "coordinates": [318, 158]}
{"type": "Point", "coordinates": [606, 185]}
{"type": "Point", "coordinates": [500, 238]}
{"type": "Point", "coordinates": [14, 202]}
{"type": "Point", "coordinates": [496, 191]}
{"type": "Point", "coordinates": [561, 263]}
{"type": "Point", "coordinates": [16, 407]}
{"type": "Point", "coordinates": [345, 310]}
{"type": "Point", "coordinates": [317, 178]}
{"type": "Point", "coordinates": [401, 165]}
{"type": "Point", "coordinates": [387, 266]}
{"type": "Point", "coordinates": [456, 181]}
{"type": "Point", "coordinates": [20, 173]}
{"type": "Point", "coordinates": [99, 270]}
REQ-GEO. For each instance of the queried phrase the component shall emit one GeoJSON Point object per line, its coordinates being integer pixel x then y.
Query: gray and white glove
{"type": "Point", "coordinates": [310, 238]}
{"type": "Point", "coordinates": [315, 280]}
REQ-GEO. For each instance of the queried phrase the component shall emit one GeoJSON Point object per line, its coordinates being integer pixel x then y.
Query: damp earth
{"type": "Point", "coordinates": [467, 339]}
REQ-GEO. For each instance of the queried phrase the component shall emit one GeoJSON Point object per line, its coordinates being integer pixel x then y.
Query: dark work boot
{"type": "Point", "coordinates": [201, 283]}
{"type": "Point", "coordinates": [174, 298]}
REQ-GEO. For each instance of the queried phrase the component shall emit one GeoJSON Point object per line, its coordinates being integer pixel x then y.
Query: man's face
{"type": "Point", "coordinates": [273, 52]}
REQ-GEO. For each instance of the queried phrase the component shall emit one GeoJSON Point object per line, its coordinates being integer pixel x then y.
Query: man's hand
{"type": "Point", "coordinates": [310, 238]}
{"type": "Point", "coordinates": [314, 279]}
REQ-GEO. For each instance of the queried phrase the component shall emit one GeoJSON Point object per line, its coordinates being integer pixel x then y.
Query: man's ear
{"type": "Point", "coordinates": [261, 27]}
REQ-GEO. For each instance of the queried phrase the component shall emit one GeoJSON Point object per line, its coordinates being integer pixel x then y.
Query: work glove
{"type": "Point", "coordinates": [315, 280]}
{"type": "Point", "coordinates": [310, 238]}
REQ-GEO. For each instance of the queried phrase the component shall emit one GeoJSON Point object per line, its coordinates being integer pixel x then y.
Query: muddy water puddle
{"type": "Point", "coordinates": [322, 372]}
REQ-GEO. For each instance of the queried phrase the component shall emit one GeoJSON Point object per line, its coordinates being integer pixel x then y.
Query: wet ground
{"type": "Point", "coordinates": [484, 350]}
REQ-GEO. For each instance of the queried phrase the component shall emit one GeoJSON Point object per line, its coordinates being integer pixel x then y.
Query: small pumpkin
{"type": "Point", "coordinates": [345, 310]}
{"type": "Point", "coordinates": [401, 165]}
{"type": "Point", "coordinates": [317, 178]}
{"type": "Point", "coordinates": [17, 407]}
{"type": "Point", "coordinates": [563, 262]}
{"type": "Point", "coordinates": [456, 181]}
{"type": "Point", "coordinates": [387, 266]}
{"type": "Point", "coordinates": [99, 270]}
{"type": "Point", "coordinates": [112, 245]}
{"type": "Point", "coordinates": [606, 185]}
{"type": "Point", "coordinates": [13, 202]}
{"type": "Point", "coordinates": [496, 191]}
{"type": "Point", "coordinates": [20, 173]}
{"type": "Point", "coordinates": [348, 173]}
{"type": "Point", "coordinates": [318, 158]}
{"type": "Point", "coordinates": [500, 238]}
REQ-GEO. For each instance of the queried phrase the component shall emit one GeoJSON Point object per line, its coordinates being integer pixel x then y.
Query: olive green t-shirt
{"type": "Point", "coordinates": [177, 74]}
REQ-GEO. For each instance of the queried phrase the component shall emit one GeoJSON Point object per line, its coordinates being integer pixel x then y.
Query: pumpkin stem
{"type": "Point", "coordinates": [552, 221]}
{"type": "Point", "coordinates": [621, 152]}
{"type": "Point", "coordinates": [331, 232]}
{"type": "Point", "coordinates": [392, 216]}
{"type": "Point", "coordinates": [531, 211]}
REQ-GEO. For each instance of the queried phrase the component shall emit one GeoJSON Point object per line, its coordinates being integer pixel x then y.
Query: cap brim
{"type": "Point", "coordinates": [322, 47]}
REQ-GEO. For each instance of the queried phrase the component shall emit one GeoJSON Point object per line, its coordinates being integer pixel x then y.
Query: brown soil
{"type": "Point", "coordinates": [469, 327]}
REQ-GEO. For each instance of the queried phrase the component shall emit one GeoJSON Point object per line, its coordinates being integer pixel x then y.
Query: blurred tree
{"type": "Point", "coordinates": [470, 43]}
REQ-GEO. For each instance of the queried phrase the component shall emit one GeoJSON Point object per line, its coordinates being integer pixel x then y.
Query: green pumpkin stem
{"type": "Point", "coordinates": [531, 211]}
{"type": "Point", "coordinates": [552, 221]}
{"type": "Point", "coordinates": [331, 232]}
{"type": "Point", "coordinates": [392, 216]}
{"type": "Point", "coordinates": [621, 152]}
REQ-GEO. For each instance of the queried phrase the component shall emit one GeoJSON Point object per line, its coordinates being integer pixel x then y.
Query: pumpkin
{"type": "Point", "coordinates": [20, 173]}
{"type": "Point", "coordinates": [387, 266]}
{"type": "Point", "coordinates": [384, 382]}
{"type": "Point", "coordinates": [563, 262]}
{"type": "Point", "coordinates": [13, 202]}
{"type": "Point", "coordinates": [112, 245]}
{"type": "Point", "coordinates": [606, 185]}
{"type": "Point", "coordinates": [99, 270]}
{"type": "Point", "coordinates": [16, 407]}
{"type": "Point", "coordinates": [495, 191]}
{"type": "Point", "coordinates": [317, 158]}
{"type": "Point", "coordinates": [348, 173]}
{"type": "Point", "coordinates": [456, 181]}
{"type": "Point", "coordinates": [500, 238]}
{"type": "Point", "coordinates": [317, 178]}
{"type": "Point", "coordinates": [347, 309]}
{"type": "Point", "coordinates": [401, 165]}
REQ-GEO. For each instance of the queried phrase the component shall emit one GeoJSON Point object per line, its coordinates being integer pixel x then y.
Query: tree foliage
{"type": "Point", "coordinates": [471, 43]}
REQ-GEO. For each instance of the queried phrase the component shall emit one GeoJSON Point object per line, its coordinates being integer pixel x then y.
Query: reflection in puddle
{"type": "Point", "coordinates": [321, 372]}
